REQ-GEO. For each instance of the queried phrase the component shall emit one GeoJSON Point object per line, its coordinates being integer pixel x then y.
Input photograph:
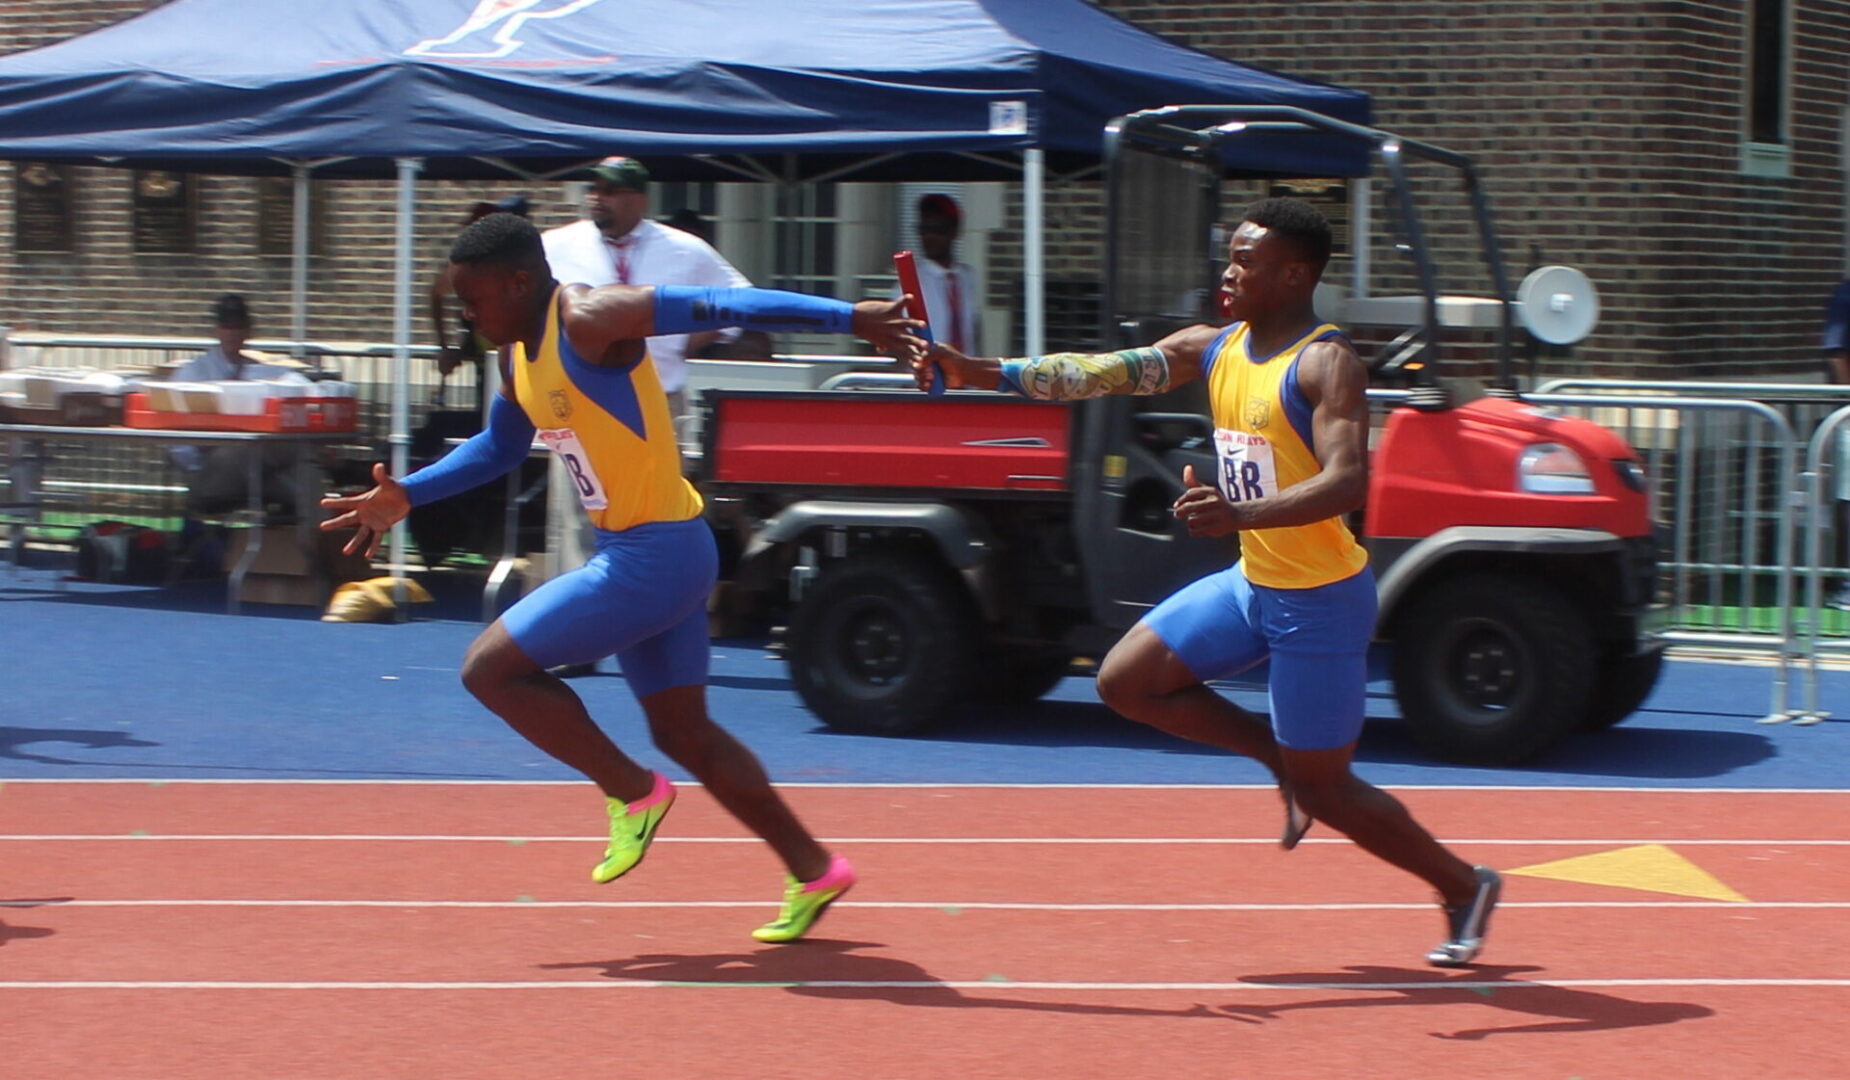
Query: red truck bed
{"type": "Point", "coordinates": [893, 440]}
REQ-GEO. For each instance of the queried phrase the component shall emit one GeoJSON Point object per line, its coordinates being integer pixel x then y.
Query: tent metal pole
{"type": "Point", "coordinates": [1034, 177]}
{"type": "Point", "coordinates": [298, 265]}
{"type": "Point", "coordinates": [408, 169]}
{"type": "Point", "coordinates": [1361, 206]}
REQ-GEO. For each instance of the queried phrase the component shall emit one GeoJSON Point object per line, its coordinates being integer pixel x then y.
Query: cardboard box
{"type": "Point", "coordinates": [193, 397]}
{"type": "Point", "coordinates": [284, 589]}
{"type": "Point", "coordinates": [285, 574]}
{"type": "Point", "coordinates": [74, 398]}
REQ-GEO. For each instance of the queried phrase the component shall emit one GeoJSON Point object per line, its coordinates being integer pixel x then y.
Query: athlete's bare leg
{"type": "Point", "coordinates": [732, 774]}
{"type": "Point", "coordinates": [1145, 681]}
{"type": "Point", "coordinates": [1329, 791]}
{"type": "Point", "coordinates": [548, 714]}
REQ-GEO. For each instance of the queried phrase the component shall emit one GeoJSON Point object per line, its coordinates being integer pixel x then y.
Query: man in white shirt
{"type": "Point", "coordinates": [620, 245]}
{"type": "Point", "coordinates": [950, 288]}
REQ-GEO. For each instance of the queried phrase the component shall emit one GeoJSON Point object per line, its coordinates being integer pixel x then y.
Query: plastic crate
{"type": "Point", "coordinates": [280, 415]}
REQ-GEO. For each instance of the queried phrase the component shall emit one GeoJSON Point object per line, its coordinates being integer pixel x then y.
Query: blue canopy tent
{"type": "Point", "coordinates": [254, 86]}
{"type": "Point", "coordinates": [711, 89]}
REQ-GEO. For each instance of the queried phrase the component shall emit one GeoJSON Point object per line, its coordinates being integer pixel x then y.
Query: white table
{"type": "Point", "coordinates": [27, 460]}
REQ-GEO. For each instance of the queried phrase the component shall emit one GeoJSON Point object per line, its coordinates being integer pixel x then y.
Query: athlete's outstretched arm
{"type": "Point", "coordinates": [1152, 369]}
{"type": "Point", "coordinates": [600, 318]}
{"type": "Point", "coordinates": [1336, 385]}
{"type": "Point", "coordinates": [492, 452]}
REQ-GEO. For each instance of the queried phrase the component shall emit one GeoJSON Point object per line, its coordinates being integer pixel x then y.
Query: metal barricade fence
{"type": "Point", "coordinates": [1811, 486]}
{"type": "Point", "coordinates": [368, 365]}
{"type": "Point", "coordinates": [1826, 490]}
{"type": "Point", "coordinates": [141, 481]}
{"type": "Point", "coordinates": [1727, 512]}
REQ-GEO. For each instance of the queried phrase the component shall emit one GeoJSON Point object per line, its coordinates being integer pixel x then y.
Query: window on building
{"type": "Point", "coordinates": [1768, 64]}
{"type": "Point", "coordinates": [700, 197]}
{"type": "Point", "coordinates": [1765, 142]}
{"type": "Point", "coordinates": [806, 233]}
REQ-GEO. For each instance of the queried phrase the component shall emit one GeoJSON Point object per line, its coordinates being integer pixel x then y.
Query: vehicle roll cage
{"type": "Point", "coordinates": [1200, 134]}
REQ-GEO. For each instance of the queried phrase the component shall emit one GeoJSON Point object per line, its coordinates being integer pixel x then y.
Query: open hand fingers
{"type": "Point", "coordinates": [921, 370]}
{"type": "Point", "coordinates": [340, 521]}
{"type": "Point", "coordinates": [363, 541]}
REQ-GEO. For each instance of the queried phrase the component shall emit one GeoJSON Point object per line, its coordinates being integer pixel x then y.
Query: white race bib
{"type": "Point", "coordinates": [564, 442]}
{"type": "Point", "coordinates": [1246, 468]}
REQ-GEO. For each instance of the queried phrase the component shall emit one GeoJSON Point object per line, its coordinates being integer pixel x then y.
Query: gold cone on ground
{"type": "Point", "coordinates": [1651, 867]}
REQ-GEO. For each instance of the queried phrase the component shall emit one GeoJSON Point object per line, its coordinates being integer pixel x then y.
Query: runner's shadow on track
{"type": "Point", "coordinates": [10, 933]}
{"type": "Point", "coordinates": [1051, 722]}
{"type": "Point", "coordinates": [1638, 752]}
{"type": "Point", "coordinates": [749, 682]}
{"type": "Point", "coordinates": [21, 933]}
{"type": "Point", "coordinates": [819, 968]}
{"type": "Point", "coordinates": [12, 738]}
{"type": "Point", "coordinates": [1565, 1011]}
{"type": "Point", "coordinates": [185, 597]}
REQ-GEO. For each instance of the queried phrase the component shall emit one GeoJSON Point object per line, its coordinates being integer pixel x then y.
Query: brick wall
{"type": "Point", "coordinates": [1608, 131]}
{"type": "Point", "coordinates": [1609, 135]}
{"type": "Point", "coordinates": [105, 287]}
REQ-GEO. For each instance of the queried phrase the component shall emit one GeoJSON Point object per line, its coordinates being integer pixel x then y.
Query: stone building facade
{"type": "Point", "coordinates": [1689, 155]}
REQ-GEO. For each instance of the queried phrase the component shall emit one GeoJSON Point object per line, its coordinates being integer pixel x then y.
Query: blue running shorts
{"type": "Point", "coordinates": [1317, 639]}
{"type": "Point", "coordinates": [642, 597]}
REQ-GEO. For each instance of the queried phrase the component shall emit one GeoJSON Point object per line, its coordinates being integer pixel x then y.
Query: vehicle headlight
{"type": "Point", "coordinates": [1552, 469]}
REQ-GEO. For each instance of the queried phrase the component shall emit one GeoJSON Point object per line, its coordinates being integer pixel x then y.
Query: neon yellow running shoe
{"type": "Point", "coordinates": [632, 827]}
{"type": "Point", "coordinates": [805, 901]}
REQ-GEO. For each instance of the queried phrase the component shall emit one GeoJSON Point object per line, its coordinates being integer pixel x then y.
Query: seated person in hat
{"type": "Point", "coordinates": [218, 478]}
{"type": "Point", "coordinates": [621, 245]}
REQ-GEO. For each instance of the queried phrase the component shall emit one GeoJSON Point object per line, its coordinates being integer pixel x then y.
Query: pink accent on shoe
{"type": "Point", "coordinates": [662, 790]}
{"type": "Point", "coordinates": [839, 875]}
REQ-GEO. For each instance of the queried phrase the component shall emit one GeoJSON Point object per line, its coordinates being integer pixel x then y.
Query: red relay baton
{"type": "Point", "coordinates": [908, 269]}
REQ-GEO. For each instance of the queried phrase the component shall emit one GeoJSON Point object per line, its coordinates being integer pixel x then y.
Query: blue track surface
{"type": "Point", "coordinates": [112, 682]}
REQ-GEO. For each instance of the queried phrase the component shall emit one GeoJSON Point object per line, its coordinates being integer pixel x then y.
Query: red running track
{"type": "Point", "coordinates": [364, 931]}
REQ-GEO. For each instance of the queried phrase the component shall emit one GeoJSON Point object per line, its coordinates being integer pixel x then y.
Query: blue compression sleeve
{"type": "Point", "coordinates": [494, 451]}
{"type": "Point", "coordinates": [687, 309]}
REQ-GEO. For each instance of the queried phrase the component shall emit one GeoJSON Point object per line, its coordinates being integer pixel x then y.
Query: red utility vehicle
{"type": "Point", "coordinates": [923, 551]}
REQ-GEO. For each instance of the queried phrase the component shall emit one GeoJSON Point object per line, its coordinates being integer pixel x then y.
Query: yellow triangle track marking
{"type": "Point", "coordinates": [1650, 867]}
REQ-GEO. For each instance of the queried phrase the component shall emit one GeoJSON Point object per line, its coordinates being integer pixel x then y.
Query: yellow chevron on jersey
{"type": "Point", "coordinates": [610, 428]}
{"type": "Point", "coordinates": [1263, 443]}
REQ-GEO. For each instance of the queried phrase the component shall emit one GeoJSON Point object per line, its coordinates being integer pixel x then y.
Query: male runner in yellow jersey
{"type": "Point", "coordinates": [1291, 442]}
{"type": "Point", "coordinates": [578, 376]}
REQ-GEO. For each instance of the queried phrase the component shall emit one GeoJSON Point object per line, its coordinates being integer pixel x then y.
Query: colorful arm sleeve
{"type": "Point", "coordinates": [1071, 376]}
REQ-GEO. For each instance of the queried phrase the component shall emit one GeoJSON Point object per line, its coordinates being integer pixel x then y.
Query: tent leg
{"type": "Point", "coordinates": [408, 169]}
{"type": "Point", "coordinates": [298, 265]}
{"type": "Point", "coordinates": [1033, 196]}
{"type": "Point", "coordinates": [1361, 206]}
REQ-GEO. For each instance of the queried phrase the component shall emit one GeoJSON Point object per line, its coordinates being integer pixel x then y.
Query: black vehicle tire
{"type": "Point", "coordinates": [1492, 669]}
{"type": "Point", "coordinates": [882, 645]}
{"type": "Point", "coordinates": [1018, 677]}
{"type": "Point", "coordinates": [1620, 685]}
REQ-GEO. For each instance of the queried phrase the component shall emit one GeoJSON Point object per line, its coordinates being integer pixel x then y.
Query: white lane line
{"type": "Point", "coordinates": [947, 906]}
{"type": "Point", "coordinates": [871, 840]}
{"type": "Point", "coordinates": [161, 781]}
{"type": "Point", "coordinates": [1442, 985]}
